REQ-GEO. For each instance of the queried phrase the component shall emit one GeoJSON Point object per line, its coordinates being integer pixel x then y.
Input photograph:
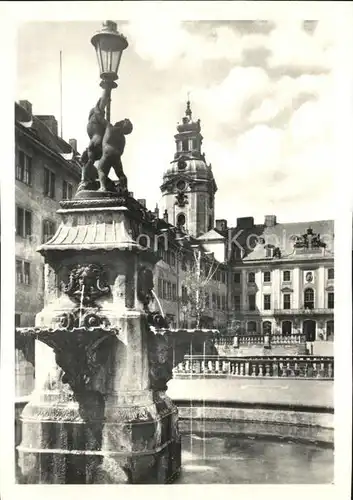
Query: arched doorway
{"type": "Point", "coordinates": [330, 330]}
{"type": "Point", "coordinates": [309, 330]}
{"type": "Point", "coordinates": [286, 327]}
{"type": "Point", "coordinates": [309, 298]}
{"type": "Point", "coordinates": [267, 327]}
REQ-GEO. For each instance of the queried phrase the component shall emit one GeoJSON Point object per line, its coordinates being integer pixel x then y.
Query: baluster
{"type": "Point", "coordinates": [283, 369]}
{"type": "Point", "coordinates": [216, 366]}
{"type": "Point", "coordinates": [241, 369]}
{"type": "Point", "coordinates": [209, 366]}
{"type": "Point", "coordinates": [275, 368]}
{"type": "Point", "coordinates": [261, 370]}
{"type": "Point", "coordinates": [247, 368]}
{"type": "Point", "coordinates": [330, 370]}
{"type": "Point", "coordinates": [314, 374]}
{"type": "Point", "coordinates": [253, 369]}
{"type": "Point", "coordinates": [267, 368]}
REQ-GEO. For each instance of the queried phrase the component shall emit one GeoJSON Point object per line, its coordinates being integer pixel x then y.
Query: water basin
{"type": "Point", "coordinates": [232, 459]}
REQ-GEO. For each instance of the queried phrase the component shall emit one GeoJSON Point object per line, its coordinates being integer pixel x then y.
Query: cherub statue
{"type": "Point", "coordinates": [95, 129]}
{"type": "Point", "coordinates": [113, 145]}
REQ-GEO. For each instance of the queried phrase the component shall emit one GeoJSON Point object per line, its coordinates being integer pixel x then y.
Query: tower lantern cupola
{"type": "Point", "coordinates": [189, 187]}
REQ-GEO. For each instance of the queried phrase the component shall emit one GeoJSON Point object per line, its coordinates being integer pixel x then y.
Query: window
{"type": "Point", "coordinates": [224, 302]}
{"type": "Point", "coordinates": [172, 258]}
{"type": "Point", "coordinates": [286, 276]}
{"type": "Point", "coordinates": [169, 290]}
{"type": "Point", "coordinates": [267, 302]}
{"type": "Point", "coordinates": [49, 183]}
{"type": "Point", "coordinates": [207, 299]}
{"type": "Point", "coordinates": [174, 292]}
{"type": "Point", "coordinates": [267, 276]}
{"type": "Point", "coordinates": [23, 272]}
{"type": "Point", "coordinates": [160, 288]}
{"type": "Point", "coordinates": [251, 327]}
{"type": "Point", "coordinates": [48, 230]}
{"type": "Point", "coordinates": [183, 263]}
{"type": "Point", "coordinates": [23, 222]}
{"type": "Point", "coordinates": [223, 277]}
{"type": "Point", "coordinates": [164, 289]}
{"type": "Point", "coordinates": [252, 303]}
{"type": "Point", "coordinates": [24, 168]}
{"type": "Point", "coordinates": [218, 302]}
{"type": "Point", "coordinates": [236, 277]}
{"type": "Point", "coordinates": [269, 252]}
{"type": "Point", "coordinates": [185, 145]}
{"type": "Point", "coordinates": [267, 327]}
{"type": "Point", "coordinates": [19, 273]}
{"type": "Point", "coordinates": [251, 277]}
{"type": "Point", "coordinates": [27, 273]}
{"type": "Point", "coordinates": [236, 302]}
{"type": "Point", "coordinates": [331, 300]}
{"type": "Point", "coordinates": [214, 301]}
{"type": "Point", "coordinates": [331, 274]}
{"type": "Point", "coordinates": [286, 328]}
{"type": "Point", "coordinates": [184, 294]}
{"type": "Point", "coordinates": [309, 298]}
{"type": "Point", "coordinates": [17, 320]}
{"type": "Point", "coordinates": [286, 301]}
{"type": "Point", "coordinates": [67, 191]}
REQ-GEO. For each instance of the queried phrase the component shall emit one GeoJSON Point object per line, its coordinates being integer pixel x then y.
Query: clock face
{"type": "Point", "coordinates": [181, 185]}
{"type": "Point", "coordinates": [181, 164]}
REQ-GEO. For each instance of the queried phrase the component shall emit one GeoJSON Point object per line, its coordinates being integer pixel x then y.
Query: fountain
{"type": "Point", "coordinates": [99, 413]}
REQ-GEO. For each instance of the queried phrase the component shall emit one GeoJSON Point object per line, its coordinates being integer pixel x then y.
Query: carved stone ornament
{"type": "Point", "coordinates": [86, 284]}
{"type": "Point", "coordinates": [161, 362]}
{"type": "Point", "coordinates": [181, 199]}
{"type": "Point", "coordinates": [80, 353]}
{"type": "Point", "coordinates": [145, 286]}
{"type": "Point", "coordinates": [308, 240]}
{"type": "Point", "coordinates": [81, 317]}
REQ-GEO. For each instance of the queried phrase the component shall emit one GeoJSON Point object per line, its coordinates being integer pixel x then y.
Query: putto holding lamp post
{"type": "Point", "coordinates": [107, 141]}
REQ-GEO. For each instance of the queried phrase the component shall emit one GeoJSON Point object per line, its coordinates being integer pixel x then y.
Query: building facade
{"type": "Point", "coordinates": [46, 172]}
{"type": "Point", "coordinates": [270, 277]}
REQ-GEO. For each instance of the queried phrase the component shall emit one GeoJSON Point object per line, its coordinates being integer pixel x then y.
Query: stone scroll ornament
{"type": "Point", "coordinates": [106, 146]}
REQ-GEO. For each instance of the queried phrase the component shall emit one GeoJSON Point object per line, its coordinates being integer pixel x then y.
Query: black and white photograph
{"type": "Point", "coordinates": [174, 247]}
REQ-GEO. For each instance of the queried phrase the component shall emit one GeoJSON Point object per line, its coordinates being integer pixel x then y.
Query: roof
{"type": "Point", "coordinates": [37, 129]}
{"type": "Point", "coordinates": [211, 235]}
{"type": "Point", "coordinates": [255, 240]}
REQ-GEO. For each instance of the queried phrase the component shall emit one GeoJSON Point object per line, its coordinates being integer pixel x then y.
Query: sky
{"type": "Point", "coordinates": [264, 91]}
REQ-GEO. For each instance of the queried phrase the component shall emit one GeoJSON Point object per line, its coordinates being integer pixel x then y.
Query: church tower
{"type": "Point", "coordinates": [189, 187]}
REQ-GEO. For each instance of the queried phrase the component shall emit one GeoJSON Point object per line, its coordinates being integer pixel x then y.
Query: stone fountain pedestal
{"type": "Point", "coordinates": [99, 413]}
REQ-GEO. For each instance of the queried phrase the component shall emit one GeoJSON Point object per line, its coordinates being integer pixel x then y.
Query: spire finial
{"type": "Point", "coordinates": [188, 111]}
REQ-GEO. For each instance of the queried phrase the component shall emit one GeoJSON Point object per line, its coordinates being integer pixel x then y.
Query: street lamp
{"type": "Point", "coordinates": [109, 45]}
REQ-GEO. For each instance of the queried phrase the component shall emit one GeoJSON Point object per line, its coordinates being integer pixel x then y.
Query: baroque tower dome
{"type": "Point", "coordinates": [188, 184]}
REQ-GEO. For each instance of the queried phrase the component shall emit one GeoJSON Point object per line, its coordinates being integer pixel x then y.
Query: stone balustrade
{"type": "Point", "coordinates": [260, 366]}
{"type": "Point", "coordinates": [275, 339]}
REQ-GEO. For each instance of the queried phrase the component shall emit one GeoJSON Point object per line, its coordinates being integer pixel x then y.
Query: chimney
{"type": "Point", "coordinates": [156, 212]}
{"type": "Point", "coordinates": [73, 144]}
{"type": "Point", "coordinates": [50, 122]}
{"type": "Point", "coordinates": [26, 105]}
{"type": "Point", "coordinates": [142, 201]}
{"type": "Point", "coordinates": [165, 215]}
{"type": "Point", "coordinates": [245, 222]}
{"type": "Point", "coordinates": [221, 225]}
{"type": "Point", "coordinates": [270, 220]}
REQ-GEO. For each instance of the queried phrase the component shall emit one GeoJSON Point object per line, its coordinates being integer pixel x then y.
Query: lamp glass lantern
{"type": "Point", "coordinates": [109, 45]}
